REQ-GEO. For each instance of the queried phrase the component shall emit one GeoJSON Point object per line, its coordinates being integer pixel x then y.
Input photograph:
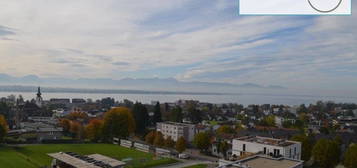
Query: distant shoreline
{"type": "Point", "coordinates": [99, 91]}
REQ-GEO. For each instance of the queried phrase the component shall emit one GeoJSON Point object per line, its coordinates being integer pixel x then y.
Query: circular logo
{"type": "Point", "coordinates": [325, 6]}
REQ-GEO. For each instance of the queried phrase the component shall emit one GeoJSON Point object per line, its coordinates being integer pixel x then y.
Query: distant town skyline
{"type": "Point", "coordinates": [189, 40]}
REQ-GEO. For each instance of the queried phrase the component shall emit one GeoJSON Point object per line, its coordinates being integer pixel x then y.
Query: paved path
{"type": "Point", "coordinates": [185, 164]}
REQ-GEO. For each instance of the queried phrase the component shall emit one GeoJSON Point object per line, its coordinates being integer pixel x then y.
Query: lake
{"type": "Point", "coordinates": [244, 99]}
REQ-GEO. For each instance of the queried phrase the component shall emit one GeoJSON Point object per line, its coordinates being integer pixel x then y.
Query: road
{"type": "Point", "coordinates": [185, 163]}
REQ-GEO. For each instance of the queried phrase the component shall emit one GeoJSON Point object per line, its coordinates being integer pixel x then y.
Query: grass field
{"type": "Point", "coordinates": [34, 156]}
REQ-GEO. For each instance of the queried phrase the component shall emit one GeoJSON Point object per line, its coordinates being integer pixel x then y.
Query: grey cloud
{"type": "Point", "coordinates": [4, 31]}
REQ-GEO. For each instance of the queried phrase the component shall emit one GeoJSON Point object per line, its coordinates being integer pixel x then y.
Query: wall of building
{"type": "Point", "coordinates": [253, 147]}
{"type": "Point", "coordinates": [177, 130]}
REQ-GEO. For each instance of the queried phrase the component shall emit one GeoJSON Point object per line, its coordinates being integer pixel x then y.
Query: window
{"type": "Point", "coordinates": [244, 147]}
{"type": "Point", "coordinates": [295, 151]}
{"type": "Point", "coordinates": [265, 150]}
{"type": "Point", "coordinates": [290, 153]}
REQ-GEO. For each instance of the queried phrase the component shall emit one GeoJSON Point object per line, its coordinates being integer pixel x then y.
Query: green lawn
{"type": "Point", "coordinates": [197, 166]}
{"type": "Point", "coordinates": [35, 155]}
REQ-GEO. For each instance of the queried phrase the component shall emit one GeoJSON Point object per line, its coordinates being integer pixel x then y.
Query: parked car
{"type": "Point", "coordinates": [183, 156]}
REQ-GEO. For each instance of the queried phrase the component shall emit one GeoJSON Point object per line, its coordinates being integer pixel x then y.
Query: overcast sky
{"type": "Point", "coordinates": [190, 40]}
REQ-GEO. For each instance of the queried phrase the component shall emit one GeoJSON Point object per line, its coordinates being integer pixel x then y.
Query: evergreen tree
{"type": "Point", "coordinates": [141, 117]}
{"type": "Point", "coordinates": [194, 114]}
{"type": "Point", "coordinates": [176, 114]}
{"type": "Point", "coordinates": [157, 113]}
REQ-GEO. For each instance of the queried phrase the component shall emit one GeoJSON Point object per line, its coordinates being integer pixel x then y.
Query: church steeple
{"type": "Point", "coordinates": [39, 97]}
{"type": "Point", "coordinates": [39, 92]}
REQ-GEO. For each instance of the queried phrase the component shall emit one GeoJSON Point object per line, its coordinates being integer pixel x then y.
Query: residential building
{"type": "Point", "coordinates": [78, 101]}
{"type": "Point", "coordinates": [37, 131]}
{"type": "Point", "coordinates": [279, 121]}
{"type": "Point", "coordinates": [60, 101]}
{"type": "Point", "coordinates": [267, 146]}
{"type": "Point", "coordinates": [177, 130]}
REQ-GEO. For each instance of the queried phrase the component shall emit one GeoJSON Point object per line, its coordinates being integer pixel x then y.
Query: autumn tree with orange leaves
{"type": "Point", "coordinates": [118, 122]}
{"type": "Point", "coordinates": [94, 130]}
{"type": "Point", "coordinates": [3, 128]}
{"type": "Point", "coordinates": [76, 130]}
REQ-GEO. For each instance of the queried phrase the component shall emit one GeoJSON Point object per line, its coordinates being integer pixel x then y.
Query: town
{"type": "Point", "coordinates": [63, 132]}
{"type": "Point", "coordinates": [178, 84]}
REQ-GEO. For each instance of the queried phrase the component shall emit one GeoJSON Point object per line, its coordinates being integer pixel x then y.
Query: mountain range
{"type": "Point", "coordinates": [150, 84]}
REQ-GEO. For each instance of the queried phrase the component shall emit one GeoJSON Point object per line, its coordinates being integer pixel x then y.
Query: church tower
{"type": "Point", "coordinates": [39, 99]}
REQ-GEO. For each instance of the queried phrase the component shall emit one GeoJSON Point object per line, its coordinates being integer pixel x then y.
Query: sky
{"type": "Point", "coordinates": [189, 40]}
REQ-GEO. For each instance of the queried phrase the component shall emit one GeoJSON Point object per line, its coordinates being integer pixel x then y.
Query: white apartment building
{"type": "Point", "coordinates": [176, 130]}
{"type": "Point", "coordinates": [266, 146]}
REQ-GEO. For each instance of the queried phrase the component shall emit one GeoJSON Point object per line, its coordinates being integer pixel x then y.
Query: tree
{"type": "Point", "coordinates": [194, 114]}
{"type": "Point", "coordinates": [159, 139]}
{"type": "Point", "coordinates": [239, 127]}
{"type": "Point", "coordinates": [202, 141]}
{"type": "Point", "coordinates": [180, 145]}
{"type": "Point", "coordinates": [107, 102]}
{"type": "Point", "coordinates": [176, 114]}
{"type": "Point", "coordinates": [157, 113]}
{"type": "Point", "coordinates": [169, 142]}
{"type": "Point", "coordinates": [65, 124]}
{"type": "Point", "coordinates": [350, 159]}
{"type": "Point", "coordinates": [306, 146]}
{"type": "Point", "coordinates": [268, 121]}
{"type": "Point", "coordinates": [5, 109]}
{"type": "Point", "coordinates": [301, 109]}
{"type": "Point", "coordinates": [324, 130]}
{"type": "Point", "coordinates": [118, 122]}
{"type": "Point", "coordinates": [225, 129]}
{"type": "Point", "coordinates": [150, 137]}
{"type": "Point", "coordinates": [3, 128]}
{"type": "Point", "coordinates": [127, 103]}
{"type": "Point", "coordinates": [94, 130]}
{"type": "Point", "coordinates": [326, 153]}
{"type": "Point", "coordinates": [76, 130]}
{"type": "Point", "coordinates": [78, 116]}
{"type": "Point", "coordinates": [141, 117]}
{"type": "Point", "coordinates": [223, 148]}
{"type": "Point", "coordinates": [287, 124]}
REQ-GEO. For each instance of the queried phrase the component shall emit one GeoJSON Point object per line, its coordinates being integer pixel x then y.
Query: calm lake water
{"type": "Point", "coordinates": [147, 98]}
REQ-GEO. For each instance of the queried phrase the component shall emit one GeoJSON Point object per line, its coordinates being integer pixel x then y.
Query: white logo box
{"type": "Point", "coordinates": [295, 7]}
